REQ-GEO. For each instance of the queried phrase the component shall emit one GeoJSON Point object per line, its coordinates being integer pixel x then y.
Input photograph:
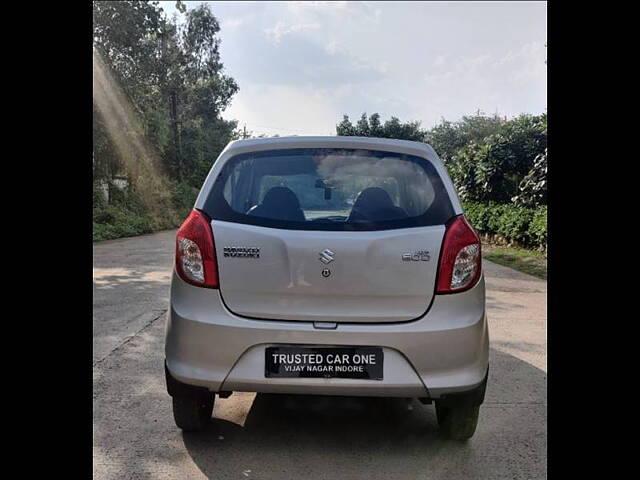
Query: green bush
{"type": "Point", "coordinates": [98, 198]}
{"type": "Point", "coordinates": [115, 221]}
{"type": "Point", "coordinates": [128, 215]}
{"type": "Point", "coordinates": [538, 226]}
{"type": "Point", "coordinates": [184, 196]}
{"type": "Point", "coordinates": [517, 225]}
{"type": "Point", "coordinates": [514, 224]}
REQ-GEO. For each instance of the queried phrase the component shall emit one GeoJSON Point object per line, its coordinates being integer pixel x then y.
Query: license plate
{"type": "Point", "coordinates": [324, 362]}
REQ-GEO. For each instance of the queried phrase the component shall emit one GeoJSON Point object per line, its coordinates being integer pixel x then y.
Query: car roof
{"type": "Point", "coordinates": [391, 144]}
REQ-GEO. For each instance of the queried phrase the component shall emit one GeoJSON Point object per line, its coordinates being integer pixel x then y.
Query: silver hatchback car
{"type": "Point", "coordinates": [328, 266]}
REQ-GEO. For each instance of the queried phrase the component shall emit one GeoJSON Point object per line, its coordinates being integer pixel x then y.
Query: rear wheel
{"type": "Point", "coordinates": [457, 421]}
{"type": "Point", "coordinates": [193, 414]}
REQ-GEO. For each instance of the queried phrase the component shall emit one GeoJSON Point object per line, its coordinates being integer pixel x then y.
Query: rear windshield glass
{"type": "Point", "coordinates": [329, 189]}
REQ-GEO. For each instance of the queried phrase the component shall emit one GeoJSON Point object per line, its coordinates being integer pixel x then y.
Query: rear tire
{"type": "Point", "coordinates": [457, 421]}
{"type": "Point", "coordinates": [193, 414]}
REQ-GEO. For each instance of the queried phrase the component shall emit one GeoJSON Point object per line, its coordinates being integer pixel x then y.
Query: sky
{"type": "Point", "coordinates": [301, 66]}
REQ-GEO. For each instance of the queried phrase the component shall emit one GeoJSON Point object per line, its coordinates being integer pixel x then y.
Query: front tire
{"type": "Point", "coordinates": [193, 414]}
{"type": "Point", "coordinates": [457, 421]}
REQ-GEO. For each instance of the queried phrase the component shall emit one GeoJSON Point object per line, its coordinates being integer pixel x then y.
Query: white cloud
{"type": "Point", "coordinates": [334, 47]}
{"type": "Point", "coordinates": [281, 29]}
{"type": "Point", "coordinates": [521, 65]}
{"type": "Point", "coordinates": [302, 65]}
{"type": "Point", "coordinates": [301, 110]}
{"type": "Point", "coordinates": [231, 23]}
{"type": "Point", "coordinates": [488, 82]}
{"type": "Point", "coordinates": [344, 11]}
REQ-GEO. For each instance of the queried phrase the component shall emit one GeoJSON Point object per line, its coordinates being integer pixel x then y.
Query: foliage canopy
{"type": "Point", "coordinates": [489, 158]}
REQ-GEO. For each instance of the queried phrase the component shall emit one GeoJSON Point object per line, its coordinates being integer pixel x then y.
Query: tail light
{"type": "Point", "coordinates": [460, 260]}
{"type": "Point", "coordinates": [195, 251]}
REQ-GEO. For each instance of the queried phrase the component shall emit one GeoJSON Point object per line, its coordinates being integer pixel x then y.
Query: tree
{"type": "Point", "coordinates": [204, 92]}
{"type": "Point", "coordinates": [493, 168]}
{"type": "Point", "coordinates": [448, 138]}
{"type": "Point", "coordinates": [532, 191]}
{"type": "Point", "coordinates": [345, 127]}
{"type": "Point", "coordinates": [371, 127]}
{"type": "Point", "coordinates": [362, 127]}
{"type": "Point", "coordinates": [173, 77]}
{"type": "Point", "coordinates": [489, 158]}
{"type": "Point", "coordinates": [375, 128]}
{"type": "Point", "coordinates": [125, 36]}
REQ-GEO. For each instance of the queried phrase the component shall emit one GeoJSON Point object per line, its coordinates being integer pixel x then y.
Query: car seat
{"type": "Point", "coordinates": [279, 203]}
{"type": "Point", "coordinates": [374, 204]}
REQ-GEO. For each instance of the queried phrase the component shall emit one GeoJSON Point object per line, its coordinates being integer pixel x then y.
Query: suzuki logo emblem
{"type": "Point", "coordinates": [326, 256]}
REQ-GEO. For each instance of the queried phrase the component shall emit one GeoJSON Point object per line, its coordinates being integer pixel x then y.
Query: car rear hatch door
{"type": "Point", "coordinates": [326, 234]}
{"type": "Point", "coordinates": [377, 276]}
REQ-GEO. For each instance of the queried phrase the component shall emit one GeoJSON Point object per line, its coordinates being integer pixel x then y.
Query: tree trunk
{"type": "Point", "coordinates": [176, 133]}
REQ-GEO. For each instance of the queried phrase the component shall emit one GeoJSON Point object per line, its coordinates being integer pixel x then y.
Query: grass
{"type": "Point", "coordinates": [128, 214]}
{"type": "Point", "coordinates": [116, 221]}
{"type": "Point", "coordinates": [531, 262]}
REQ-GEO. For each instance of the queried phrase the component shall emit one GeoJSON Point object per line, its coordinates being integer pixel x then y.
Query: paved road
{"type": "Point", "coordinates": [288, 437]}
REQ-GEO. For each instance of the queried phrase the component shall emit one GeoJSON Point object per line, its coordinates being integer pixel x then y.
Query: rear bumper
{"type": "Point", "coordinates": [444, 352]}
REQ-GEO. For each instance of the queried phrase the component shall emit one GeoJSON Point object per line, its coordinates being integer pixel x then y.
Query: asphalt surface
{"type": "Point", "coordinates": [288, 437]}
